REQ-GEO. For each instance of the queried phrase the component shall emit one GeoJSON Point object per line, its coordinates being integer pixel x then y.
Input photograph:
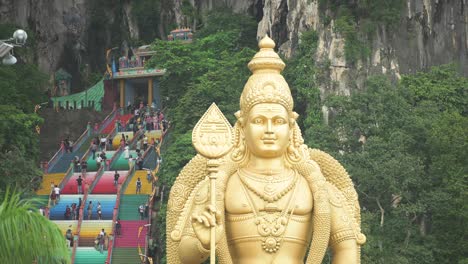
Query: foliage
{"type": "Point", "coordinates": [18, 171]}
{"type": "Point", "coordinates": [27, 236]}
{"type": "Point", "coordinates": [22, 86]}
{"type": "Point", "coordinates": [406, 149]}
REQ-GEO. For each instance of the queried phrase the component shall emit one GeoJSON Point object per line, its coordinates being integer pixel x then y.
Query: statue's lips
{"type": "Point", "coordinates": [268, 141]}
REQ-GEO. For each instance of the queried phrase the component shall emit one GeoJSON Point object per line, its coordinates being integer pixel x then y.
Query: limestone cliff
{"type": "Point", "coordinates": [430, 32]}
{"type": "Point", "coordinates": [74, 34]}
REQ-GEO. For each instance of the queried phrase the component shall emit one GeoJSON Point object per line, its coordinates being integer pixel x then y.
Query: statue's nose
{"type": "Point", "coordinates": [269, 128]}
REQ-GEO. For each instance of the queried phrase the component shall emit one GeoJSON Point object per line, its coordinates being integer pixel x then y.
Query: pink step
{"type": "Point", "coordinates": [71, 187]}
{"type": "Point", "coordinates": [106, 185]}
{"type": "Point", "coordinates": [129, 234]}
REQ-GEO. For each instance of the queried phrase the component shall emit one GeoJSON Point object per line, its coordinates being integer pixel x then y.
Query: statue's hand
{"type": "Point", "coordinates": [202, 223]}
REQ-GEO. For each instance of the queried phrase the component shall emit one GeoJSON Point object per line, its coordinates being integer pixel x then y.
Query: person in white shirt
{"type": "Point", "coordinates": [57, 192]}
{"type": "Point", "coordinates": [127, 152]}
{"type": "Point", "coordinates": [98, 161]}
{"type": "Point", "coordinates": [103, 143]}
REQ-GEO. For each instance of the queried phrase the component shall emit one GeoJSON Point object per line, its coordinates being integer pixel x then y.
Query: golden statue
{"type": "Point", "coordinates": [276, 200]}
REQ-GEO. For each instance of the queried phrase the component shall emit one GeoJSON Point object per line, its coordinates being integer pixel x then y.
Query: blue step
{"type": "Point", "coordinates": [107, 205]}
{"type": "Point", "coordinates": [58, 211]}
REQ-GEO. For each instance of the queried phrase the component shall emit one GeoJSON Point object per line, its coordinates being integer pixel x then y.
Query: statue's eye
{"type": "Point", "coordinates": [280, 121]}
{"type": "Point", "coordinates": [258, 121]}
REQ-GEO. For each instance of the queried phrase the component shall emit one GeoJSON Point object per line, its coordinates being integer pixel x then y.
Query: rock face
{"type": "Point", "coordinates": [75, 34]}
{"type": "Point", "coordinates": [430, 32]}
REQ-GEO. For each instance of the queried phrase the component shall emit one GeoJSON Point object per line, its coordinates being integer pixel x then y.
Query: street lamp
{"type": "Point", "coordinates": [6, 46]}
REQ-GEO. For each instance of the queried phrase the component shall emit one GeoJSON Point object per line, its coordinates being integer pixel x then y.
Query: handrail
{"type": "Point", "coordinates": [78, 227]}
{"type": "Point", "coordinates": [120, 188]}
{"type": "Point", "coordinates": [80, 140]}
{"type": "Point", "coordinates": [67, 176]}
{"type": "Point", "coordinates": [54, 158]}
{"type": "Point", "coordinates": [97, 176]}
{"type": "Point", "coordinates": [107, 120]}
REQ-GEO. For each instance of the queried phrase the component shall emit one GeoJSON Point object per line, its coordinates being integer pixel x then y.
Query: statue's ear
{"type": "Point", "coordinates": [293, 118]}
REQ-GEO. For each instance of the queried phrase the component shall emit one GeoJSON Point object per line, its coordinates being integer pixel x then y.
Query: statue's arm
{"type": "Point", "coordinates": [191, 251]}
{"type": "Point", "coordinates": [342, 236]}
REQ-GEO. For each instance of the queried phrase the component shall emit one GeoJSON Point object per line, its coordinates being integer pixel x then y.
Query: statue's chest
{"type": "Point", "coordinates": [244, 197]}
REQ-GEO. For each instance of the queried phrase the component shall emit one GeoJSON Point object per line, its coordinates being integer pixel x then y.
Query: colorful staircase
{"type": "Point", "coordinates": [64, 225]}
{"type": "Point", "coordinates": [55, 178]}
{"type": "Point", "coordinates": [123, 120]}
{"type": "Point", "coordinates": [128, 209]}
{"type": "Point", "coordinates": [71, 186]}
{"type": "Point", "coordinates": [106, 185]}
{"type": "Point", "coordinates": [89, 255]}
{"type": "Point", "coordinates": [58, 211]}
{"type": "Point", "coordinates": [63, 163]}
{"type": "Point", "coordinates": [90, 229]}
{"type": "Point", "coordinates": [121, 163]}
{"type": "Point", "coordinates": [129, 234]}
{"type": "Point", "coordinates": [92, 166]}
{"type": "Point", "coordinates": [146, 188]}
{"type": "Point", "coordinates": [107, 204]}
{"type": "Point", "coordinates": [125, 256]}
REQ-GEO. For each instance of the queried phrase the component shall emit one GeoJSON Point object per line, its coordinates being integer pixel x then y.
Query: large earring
{"type": "Point", "coordinates": [293, 153]}
{"type": "Point", "coordinates": [239, 153]}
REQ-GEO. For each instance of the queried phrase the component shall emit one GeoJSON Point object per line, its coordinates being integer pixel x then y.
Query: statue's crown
{"type": "Point", "coordinates": [266, 84]}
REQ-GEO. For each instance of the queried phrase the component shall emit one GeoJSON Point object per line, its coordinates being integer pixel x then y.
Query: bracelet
{"type": "Point", "coordinates": [341, 236]}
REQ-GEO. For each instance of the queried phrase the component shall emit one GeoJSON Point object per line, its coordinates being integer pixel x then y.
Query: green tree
{"type": "Point", "coordinates": [27, 236]}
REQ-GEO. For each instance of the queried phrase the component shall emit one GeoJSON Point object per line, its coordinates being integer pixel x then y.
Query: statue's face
{"type": "Point", "coordinates": [267, 130]}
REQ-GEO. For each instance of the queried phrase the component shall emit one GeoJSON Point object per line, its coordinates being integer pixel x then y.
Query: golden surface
{"type": "Point", "coordinates": [276, 200]}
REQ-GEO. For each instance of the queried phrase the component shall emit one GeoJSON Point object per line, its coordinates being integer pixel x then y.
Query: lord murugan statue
{"type": "Point", "coordinates": [275, 200]}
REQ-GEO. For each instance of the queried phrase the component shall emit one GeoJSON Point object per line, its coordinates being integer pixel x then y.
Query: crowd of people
{"type": "Point", "coordinates": [143, 119]}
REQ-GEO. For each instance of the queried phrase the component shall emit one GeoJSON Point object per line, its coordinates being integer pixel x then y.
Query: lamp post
{"type": "Point", "coordinates": [6, 46]}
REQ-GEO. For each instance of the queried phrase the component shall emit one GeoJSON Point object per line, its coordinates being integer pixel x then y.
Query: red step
{"type": "Point", "coordinates": [106, 185]}
{"type": "Point", "coordinates": [129, 234]}
{"type": "Point", "coordinates": [123, 120]}
{"type": "Point", "coordinates": [71, 187]}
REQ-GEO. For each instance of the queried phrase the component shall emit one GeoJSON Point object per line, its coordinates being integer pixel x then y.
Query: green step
{"type": "Point", "coordinates": [89, 255]}
{"type": "Point", "coordinates": [125, 256]}
{"type": "Point", "coordinates": [128, 208]}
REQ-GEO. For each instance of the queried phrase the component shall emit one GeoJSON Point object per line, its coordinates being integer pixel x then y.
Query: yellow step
{"type": "Point", "coordinates": [91, 228]}
{"type": "Point", "coordinates": [47, 179]}
{"type": "Point", "coordinates": [146, 187]}
{"type": "Point", "coordinates": [64, 225]}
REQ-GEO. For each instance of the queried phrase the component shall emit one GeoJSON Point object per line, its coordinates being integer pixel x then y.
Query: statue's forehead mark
{"type": "Point", "coordinates": [270, 108]}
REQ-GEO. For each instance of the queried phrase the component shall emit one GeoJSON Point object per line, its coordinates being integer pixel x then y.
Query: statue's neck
{"type": "Point", "coordinates": [266, 165]}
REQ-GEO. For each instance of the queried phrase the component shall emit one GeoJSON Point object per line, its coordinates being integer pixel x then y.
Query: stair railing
{"type": "Point", "coordinates": [107, 120]}
{"type": "Point", "coordinates": [120, 189]}
{"type": "Point", "coordinates": [78, 227]}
